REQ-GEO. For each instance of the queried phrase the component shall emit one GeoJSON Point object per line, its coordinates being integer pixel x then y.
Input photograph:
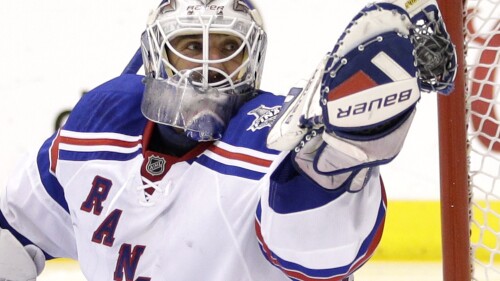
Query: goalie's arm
{"type": "Point", "coordinates": [323, 214]}
{"type": "Point", "coordinates": [312, 233]}
{"type": "Point", "coordinates": [33, 210]}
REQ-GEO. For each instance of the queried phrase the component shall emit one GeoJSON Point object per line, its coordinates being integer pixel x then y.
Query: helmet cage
{"type": "Point", "coordinates": [187, 98]}
{"type": "Point", "coordinates": [158, 36]}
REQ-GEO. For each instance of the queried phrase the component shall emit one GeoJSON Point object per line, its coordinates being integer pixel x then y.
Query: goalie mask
{"type": "Point", "coordinates": [203, 59]}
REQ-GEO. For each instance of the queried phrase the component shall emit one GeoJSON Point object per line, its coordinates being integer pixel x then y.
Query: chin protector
{"type": "Point", "coordinates": [179, 102]}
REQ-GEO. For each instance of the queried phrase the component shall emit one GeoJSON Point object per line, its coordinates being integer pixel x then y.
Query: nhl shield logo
{"type": "Point", "coordinates": [156, 165]}
{"type": "Point", "coordinates": [264, 117]}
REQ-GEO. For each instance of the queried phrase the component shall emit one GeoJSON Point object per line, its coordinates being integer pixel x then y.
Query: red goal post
{"type": "Point", "coordinates": [469, 141]}
{"type": "Point", "coordinates": [453, 158]}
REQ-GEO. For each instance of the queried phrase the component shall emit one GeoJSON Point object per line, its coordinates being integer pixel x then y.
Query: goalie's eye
{"type": "Point", "coordinates": [228, 45]}
{"type": "Point", "coordinates": [220, 46]}
{"type": "Point", "coordinates": [190, 46]}
{"type": "Point", "coordinates": [194, 47]}
{"type": "Point", "coordinates": [222, 54]}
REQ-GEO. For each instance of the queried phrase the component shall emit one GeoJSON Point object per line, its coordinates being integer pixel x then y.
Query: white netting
{"type": "Point", "coordinates": [482, 41]}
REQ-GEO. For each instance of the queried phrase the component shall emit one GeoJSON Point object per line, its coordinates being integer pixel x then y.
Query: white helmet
{"type": "Point", "coordinates": [202, 98]}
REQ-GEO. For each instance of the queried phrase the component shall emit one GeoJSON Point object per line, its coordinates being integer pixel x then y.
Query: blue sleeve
{"type": "Point", "coordinates": [313, 233]}
{"type": "Point", "coordinates": [113, 106]}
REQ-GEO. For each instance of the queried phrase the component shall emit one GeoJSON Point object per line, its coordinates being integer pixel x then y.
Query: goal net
{"type": "Point", "coordinates": [470, 144]}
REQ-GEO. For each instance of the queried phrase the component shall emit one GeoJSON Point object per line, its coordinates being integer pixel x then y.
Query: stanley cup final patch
{"type": "Point", "coordinates": [155, 165]}
{"type": "Point", "coordinates": [264, 117]}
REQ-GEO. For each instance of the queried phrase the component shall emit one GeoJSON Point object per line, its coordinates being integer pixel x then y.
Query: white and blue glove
{"type": "Point", "coordinates": [355, 111]}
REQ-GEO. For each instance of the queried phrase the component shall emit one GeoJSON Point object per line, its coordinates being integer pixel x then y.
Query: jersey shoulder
{"type": "Point", "coordinates": [242, 151]}
{"type": "Point", "coordinates": [250, 126]}
{"type": "Point", "coordinates": [111, 107]}
{"type": "Point", "coordinates": [106, 124]}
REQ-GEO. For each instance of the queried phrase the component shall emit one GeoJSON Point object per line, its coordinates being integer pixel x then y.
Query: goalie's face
{"type": "Point", "coordinates": [202, 61]}
{"type": "Point", "coordinates": [221, 40]}
{"type": "Point", "coordinates": [224, 55]}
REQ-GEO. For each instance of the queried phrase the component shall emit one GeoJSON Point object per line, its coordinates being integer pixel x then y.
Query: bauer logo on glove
{"type": "Point", "coordinates": [367, 84]}
{"type": "Point", "coordinates": [356, 111]}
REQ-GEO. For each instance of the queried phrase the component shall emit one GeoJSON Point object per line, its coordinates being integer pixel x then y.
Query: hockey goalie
{"type": "Point", "coordinates": [191, 172]}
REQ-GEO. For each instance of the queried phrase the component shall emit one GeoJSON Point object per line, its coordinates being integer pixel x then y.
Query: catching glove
{"type": "Point", "coordinates": [355, 111]}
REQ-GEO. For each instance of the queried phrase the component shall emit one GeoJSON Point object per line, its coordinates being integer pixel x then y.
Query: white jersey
{"type": "Point", "coordinates": [229, 210]}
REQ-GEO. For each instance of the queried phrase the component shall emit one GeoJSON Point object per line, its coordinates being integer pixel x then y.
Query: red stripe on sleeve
{"type": "Point", "coordinates": [54, 152]}
{"type": "Point", "coordinates": [90, 142]}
